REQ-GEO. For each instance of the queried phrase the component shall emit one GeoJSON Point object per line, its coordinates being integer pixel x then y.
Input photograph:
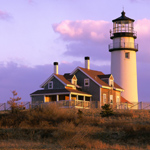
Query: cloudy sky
{"type": "Point", "coordinates": [35, 33]}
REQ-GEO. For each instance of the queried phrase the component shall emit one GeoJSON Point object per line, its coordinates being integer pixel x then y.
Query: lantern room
{"type": "Point", "coordinates": [123, 26]}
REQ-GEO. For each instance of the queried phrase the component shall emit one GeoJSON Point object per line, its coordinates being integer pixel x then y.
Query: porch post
{"type": "Point", "coordinates": [70, 97]}
{"type": "Point", "coordinates": [57, 98]}
{"type": "Point", "coordinates": [69, 100]}
{"type": "Point", "coordinates": [76, 100]}
{"type": "Point", "coordinates": [141, 105]}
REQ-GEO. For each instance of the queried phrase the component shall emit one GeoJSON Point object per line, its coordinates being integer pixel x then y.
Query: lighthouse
{"type": "Point", "coordinates": [123, 56]}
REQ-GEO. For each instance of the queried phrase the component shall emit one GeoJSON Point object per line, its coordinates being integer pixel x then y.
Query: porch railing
{"type": "Point", "coordinates": [82, 104]}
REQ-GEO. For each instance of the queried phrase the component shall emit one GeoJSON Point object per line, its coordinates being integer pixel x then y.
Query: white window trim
{"type": "Point", "coordinates": [111, 98]}
{"type": "Point", "coordinates": [104, 100]}
{"type": "Point", "coordinates": [74, 81]}
{"type": "Point", "coordinates": [87, 79]}
{"type": "Point", "coordinates": [51, 82]}
{"type": "Point", "coordinates": [111, 82]}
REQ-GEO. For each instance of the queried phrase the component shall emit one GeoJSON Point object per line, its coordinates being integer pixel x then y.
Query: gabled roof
{"type": "Point", "coordinates": [94, 75]}
{"type": "Point", "coordinates": [61, 78]}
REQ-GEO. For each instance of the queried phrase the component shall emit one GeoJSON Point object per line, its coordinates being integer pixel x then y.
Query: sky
{"type": "Point", "coordinates": [36, 33]}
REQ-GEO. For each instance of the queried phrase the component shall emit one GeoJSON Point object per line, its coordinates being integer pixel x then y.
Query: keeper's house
{"type": "Point", "coordinates": [81, 84]}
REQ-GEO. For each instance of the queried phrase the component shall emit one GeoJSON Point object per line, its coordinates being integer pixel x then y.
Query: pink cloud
{"type": "Point", "coordinates": [4, 15]}
{"type": "Point", "coordinates": [89, 37]}
{"type": "Point", "coordinates": [142, 27]}
{"type": "Point", "coordinates": [83, 30]}
{"type": "Point", "coordinates": [31, 1]}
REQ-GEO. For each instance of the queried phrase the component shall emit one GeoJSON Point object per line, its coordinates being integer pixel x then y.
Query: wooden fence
{"type": "Point", "coordinates": [94, 104]}
{"type": "Point", "coordinates": [79, 104]}
{"type": "Point", "coordinates": [6, 106]}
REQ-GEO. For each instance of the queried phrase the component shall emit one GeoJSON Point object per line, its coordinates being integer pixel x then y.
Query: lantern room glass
{"type": "Point", "coordinates": [123, 26]}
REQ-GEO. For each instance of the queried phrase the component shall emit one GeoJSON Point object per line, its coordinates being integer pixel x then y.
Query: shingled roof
{"type": "Point", "coordinates": [95, 75]}
{"type": "Point", "coordinates": [62, 78]}
{"type": "Point", "coordinates": [52, 91]}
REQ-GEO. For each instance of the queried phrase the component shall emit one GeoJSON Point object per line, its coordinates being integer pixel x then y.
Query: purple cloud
{"type": "Point", "coordinates": [4, 15]}
{"type": "Point", "coordinates": [139, 1]}
{"type": "Point", "coordinates": [26, 80]}
{"type": "Point", "coordinates": [31, 1]}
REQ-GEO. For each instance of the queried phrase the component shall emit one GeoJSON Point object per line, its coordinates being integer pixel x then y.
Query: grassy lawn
{"type": "Point", "coordinates": [56, 128]}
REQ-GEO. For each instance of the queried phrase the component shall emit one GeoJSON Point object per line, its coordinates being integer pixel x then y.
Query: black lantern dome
{"type": "Point", "coordinates": [123, 26]}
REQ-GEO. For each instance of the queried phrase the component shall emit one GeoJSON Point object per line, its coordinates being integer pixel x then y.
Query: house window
{"type": "Point", "coordinates": [86, 82]}
{"type": "Point", "coordinates": [50, 85]}
{"type": "Point", "coordinates": [118, 99]}
{"type": "Point", "coordinates": [127, 55]}
{"type": "Point", "coordinates": [74, 82]}
{"type": "Point", "coordinates": [104, 98]}
{"type": "Point", "coordinates": [111, 99]}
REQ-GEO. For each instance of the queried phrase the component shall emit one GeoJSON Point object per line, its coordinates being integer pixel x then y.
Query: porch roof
{"type": "Point", "coordinates": [59, 91]}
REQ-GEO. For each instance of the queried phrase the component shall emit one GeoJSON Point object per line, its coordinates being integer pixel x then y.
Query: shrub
{"type": "Point", "coordinates": [107, 111]}
{"type": "Point", "coordinates": [13, 102]}
{"type": "Point", "coordinates": [80, 114]}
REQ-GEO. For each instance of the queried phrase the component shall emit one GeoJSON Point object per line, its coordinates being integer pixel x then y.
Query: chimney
{"type": "Point", "coordinates": [87, 62]}
{"type": "Point", "coordinates": [56, 67]}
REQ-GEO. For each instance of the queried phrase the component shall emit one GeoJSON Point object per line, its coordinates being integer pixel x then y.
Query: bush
{"type": "Point", "coordinates": [107, 111]}
{"type": "Point", "coordinates": [13, 102]}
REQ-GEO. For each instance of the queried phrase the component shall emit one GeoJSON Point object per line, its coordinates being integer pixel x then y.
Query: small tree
{"type": "Point", "coordinates": [106, 111]}
{"type": "Point", "coordinates": [13, 102]}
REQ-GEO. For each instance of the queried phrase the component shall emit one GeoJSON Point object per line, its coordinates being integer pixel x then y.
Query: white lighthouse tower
{"type": "Point", "coordinates": [123, 56]}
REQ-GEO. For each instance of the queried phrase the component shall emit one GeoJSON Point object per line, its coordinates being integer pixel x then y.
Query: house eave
{"type": "Point", "coordinates": [49, 94]}
{"type": "Point", "coordinates": [106, 87]}
{"type": "Point", "coordinates": [86, 75]}
{"type": "Point", "coordinates": [53, 75]}
{"type": "Point", "coordinates": [117, 89]}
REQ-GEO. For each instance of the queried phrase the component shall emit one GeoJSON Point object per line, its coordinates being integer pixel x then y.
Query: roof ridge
{"type": "Point", "coordinates": [91, 70]}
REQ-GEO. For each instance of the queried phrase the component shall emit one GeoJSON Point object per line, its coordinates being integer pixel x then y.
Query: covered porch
{"type": "Point", "coordinates": [70, 96]}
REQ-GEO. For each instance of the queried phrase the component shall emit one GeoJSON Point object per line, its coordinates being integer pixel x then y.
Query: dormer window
{"type": "Point", "coordinates": [74, 80]}
{"type": "Point", "coordinates": [50, 85]}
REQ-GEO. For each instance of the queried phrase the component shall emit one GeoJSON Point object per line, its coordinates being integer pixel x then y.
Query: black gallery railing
{"type": "Point", "coordinates": [123, 45]}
